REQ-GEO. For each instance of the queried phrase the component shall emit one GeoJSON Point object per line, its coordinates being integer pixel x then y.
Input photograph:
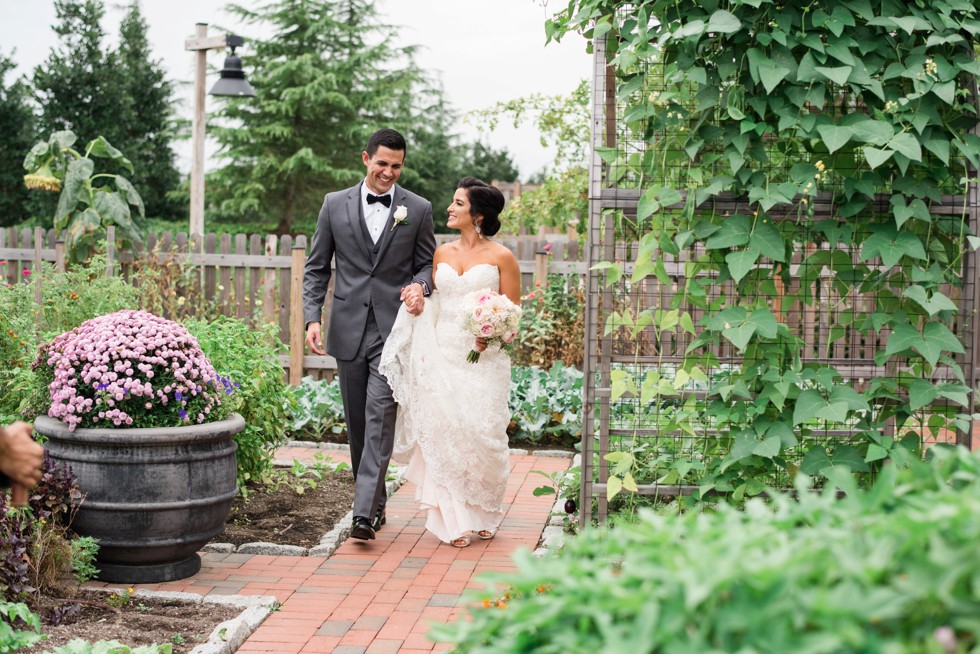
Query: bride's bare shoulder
{"type": "Point", "coordinates": [502, 254]}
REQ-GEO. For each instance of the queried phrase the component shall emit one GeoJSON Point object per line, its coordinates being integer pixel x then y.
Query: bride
{"type": "Point", "coordinates": [453, 415]}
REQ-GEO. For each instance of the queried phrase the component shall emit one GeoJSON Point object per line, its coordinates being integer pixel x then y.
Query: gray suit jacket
{"type": "Point", "coordinates": [365, 280]}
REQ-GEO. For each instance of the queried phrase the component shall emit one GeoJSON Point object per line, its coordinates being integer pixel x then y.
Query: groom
{"type": "Point", "coordinates": [381, 240]}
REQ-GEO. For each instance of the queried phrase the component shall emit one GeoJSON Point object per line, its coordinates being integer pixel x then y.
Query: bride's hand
{"type": "Point", "coordinates": [413, 298]}
{"type": "Point", "coordinates": [481, 344]}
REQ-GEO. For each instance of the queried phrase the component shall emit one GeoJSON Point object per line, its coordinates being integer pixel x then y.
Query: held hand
{"type": "Point", "coordinates": [414, 298]}
{"type": "Point", "coordinates": [20, 455]}
{"type": "Point", "coordinates": [314, 340]}
{"type": "Point", "coordinates": [481, 344]}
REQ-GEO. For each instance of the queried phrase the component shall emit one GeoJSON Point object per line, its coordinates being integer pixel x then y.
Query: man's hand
{"type": "Point", "coordinates": [413, 296]}
{"type": "Point", "coordinates": [314, 340]}
{"type": "Point", "coordinates": [20, 455]}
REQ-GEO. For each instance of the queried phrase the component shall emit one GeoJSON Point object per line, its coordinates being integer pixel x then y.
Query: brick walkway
{"type": "Point", "coordinates": [378, 596]}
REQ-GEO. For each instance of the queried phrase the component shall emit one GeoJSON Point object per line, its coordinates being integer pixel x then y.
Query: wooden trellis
{"type": "Point", "coordinates": [623, 424]}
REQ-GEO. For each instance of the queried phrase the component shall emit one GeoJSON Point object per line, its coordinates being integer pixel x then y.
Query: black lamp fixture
{"type": "Point", "coordinates": [232, 81]}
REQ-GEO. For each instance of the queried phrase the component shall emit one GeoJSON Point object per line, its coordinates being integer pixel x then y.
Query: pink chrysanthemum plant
{"type": "Point", "coordinates": [130, 369]}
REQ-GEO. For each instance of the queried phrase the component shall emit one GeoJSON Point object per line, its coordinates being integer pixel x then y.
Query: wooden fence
{"type": "Point", "coordinates": [255, 277]}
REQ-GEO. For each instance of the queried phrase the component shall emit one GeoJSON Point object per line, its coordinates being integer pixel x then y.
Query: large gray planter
{"type": "Point", "coordinates": [153, 497]}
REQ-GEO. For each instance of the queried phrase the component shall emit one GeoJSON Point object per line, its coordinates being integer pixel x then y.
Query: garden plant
{"type": "Point", "coordinates": [787, 160]}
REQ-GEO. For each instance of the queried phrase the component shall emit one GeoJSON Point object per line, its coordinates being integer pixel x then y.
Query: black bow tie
{"type": "Point", "coordinates": [383, 199]}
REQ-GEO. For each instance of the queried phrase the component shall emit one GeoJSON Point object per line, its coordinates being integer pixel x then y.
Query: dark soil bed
{"type": "Point", "coordinates": [283, 516]}
{"type": "Point", "coordinates": [141, 621]}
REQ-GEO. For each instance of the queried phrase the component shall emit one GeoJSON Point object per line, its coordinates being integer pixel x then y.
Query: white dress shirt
{"type": "Point", "coordinates": [375, 215]}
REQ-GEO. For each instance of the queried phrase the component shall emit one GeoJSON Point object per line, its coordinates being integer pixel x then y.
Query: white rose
{"type": "Point", "coordinates": [401, 213]}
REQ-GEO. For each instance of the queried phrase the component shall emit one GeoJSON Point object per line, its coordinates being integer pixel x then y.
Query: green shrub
{"type": "Point", "coordinates": [248, 356]}
{"type": "Point", "coordinates": [552, 323]}
{"type": "Point", "coordinates": [316, 409]}
{"type": "Point", "coordinates": [19, 627]}
{"type": "Point", "coordinates": [68, 299]}
{"type": "Point", "coordinates": [546, 405]}
{"type": "Point", "coordinates": [892, 569]}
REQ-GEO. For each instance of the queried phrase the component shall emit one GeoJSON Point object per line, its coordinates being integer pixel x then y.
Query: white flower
{"type": "Point", "coordinates": [401, 216]}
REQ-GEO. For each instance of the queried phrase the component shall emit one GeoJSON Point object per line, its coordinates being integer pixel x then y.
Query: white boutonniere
{"type": "Point", "coordinates": [401, 216]}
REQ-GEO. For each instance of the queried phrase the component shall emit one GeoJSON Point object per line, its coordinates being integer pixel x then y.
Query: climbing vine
{"type": "Point", "coordinates": [791, 145]}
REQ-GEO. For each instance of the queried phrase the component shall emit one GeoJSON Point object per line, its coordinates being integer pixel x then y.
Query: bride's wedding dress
{"type": "Point", "coordinates": [452, 415]}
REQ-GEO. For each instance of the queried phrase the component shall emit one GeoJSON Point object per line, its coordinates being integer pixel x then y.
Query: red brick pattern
{"type": "Point", "coordinates": [378, 596]}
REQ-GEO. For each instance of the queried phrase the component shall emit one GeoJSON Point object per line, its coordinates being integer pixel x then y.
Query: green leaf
{"type": "Point", "coordinates": [906, 144]}
{"type": "Point", "coordinates": [903, 337]}
{"type": "Point", "coordinates": [622, 384]}
{"type": "Point", "coordinates": [834, 136]}
{"type": "Point", "coordinates": [724, 22]}
{"type": "Point", "coordinates": [739, 335]}
{"type": "Point", "coordinates": [130, 194]}
{"type": "Point", "coordinates": [741, 263]}
{"type": "Point", "coordinates": [808, 405]}
{"type": "Point", "coordinates": [891, 245]}
{"type": "Point", "coordinates": [76, 177]}
{"type": "Point", "coordinates": [875, 453]}
{"type": "Point", "coordinates": [921, 393]}
{"type": "Point", "coordinates": [648, 204]}
{"type": "Point", "coordinates": [939, 334]}
{"type": "Point", "coordinates": [768, 242]}
{"type": "Point", "coordinates": [37, 155]}
{"type": "Point", "coordinates": [866, 130]}
{"type": "Point", "coordinates": [939, 147]}
{"type": "Point", "coordinates": [768, 448]}
{"type": "Point", "coordinates": [691, 28]}
{"type": "Point", "coordinates": [613, 486]}
{"type": "Point", "coordinates": [815, 461]}
{"type": "Point", "coordinates": [733, 232]}
{"type": "Point", "coordinates": [765, 323]}
{"type": "Point", "coordinates": [933, 305]}
{"type": "Point", "coordinates": [875, 157]}
{"type": "Point", "coordinates": [101, 148]}
{"type": "Point", "coordinates": [111, 207]}
{"type": "Point", "coordinates": [771, 74]}
{"type": "Point", "coordinates": [838, 74]}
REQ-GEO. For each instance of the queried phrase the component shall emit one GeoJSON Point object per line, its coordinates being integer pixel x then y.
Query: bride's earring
{"type": "Point", "coordinates": [479, 232]}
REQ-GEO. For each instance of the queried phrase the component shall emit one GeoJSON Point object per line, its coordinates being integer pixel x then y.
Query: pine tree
{"type": "Point", "coordinates": [149, 122]}
{"type": "Point", "coordinates": [328, 78]}
{"type": "Point", "coordinates": [122, 95]}
{"type": "Point", "coordinates": [16, 139]}
{"type": "Point", "coordinates": [78, 87]}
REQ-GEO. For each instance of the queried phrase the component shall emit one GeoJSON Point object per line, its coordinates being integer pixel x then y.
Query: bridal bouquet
{"type": "Point", "coordinates": [491, 316]}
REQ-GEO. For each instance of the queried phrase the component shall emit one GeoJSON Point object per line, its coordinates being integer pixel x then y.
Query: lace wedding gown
{"type": "Point", "coordinates": [452, 414]}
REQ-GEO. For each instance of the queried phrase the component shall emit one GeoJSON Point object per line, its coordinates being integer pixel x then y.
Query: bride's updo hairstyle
{"type": "Point", "coordinates": [486, 201]}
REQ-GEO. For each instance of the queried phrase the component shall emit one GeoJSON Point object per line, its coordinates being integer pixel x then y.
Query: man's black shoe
{"type": "Point", "coordinates": [362, 529]}
{"type": "Point", "coordinates": [379, 519]}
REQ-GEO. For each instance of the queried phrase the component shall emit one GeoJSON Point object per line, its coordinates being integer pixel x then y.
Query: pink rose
{"type": "Point", "coordinates": [508, 337]}
{"type": "Point", "coordinates": [486, 331]}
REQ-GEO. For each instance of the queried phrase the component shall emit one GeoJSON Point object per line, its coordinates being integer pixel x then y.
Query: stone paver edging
{"type": "Point", "coordinates": [227, 636]}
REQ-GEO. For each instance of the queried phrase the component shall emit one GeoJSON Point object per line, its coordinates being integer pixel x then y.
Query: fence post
{"type": "Point", "coordinates": [59, 255]}
{"type": "Point", "coordinates": [269, 309]}
{"type": "Point", "coordinates": [541, 267]}
{"type": "Point", "coordinates": [36, 274]}
{"type": "Point", "coordinates": [110, 250]}
{"type": "Point", "coordinates": [297, 326]}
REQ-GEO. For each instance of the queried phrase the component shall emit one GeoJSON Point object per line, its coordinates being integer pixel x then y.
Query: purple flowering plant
{"type": "Point", "coordinates": [130, 369]}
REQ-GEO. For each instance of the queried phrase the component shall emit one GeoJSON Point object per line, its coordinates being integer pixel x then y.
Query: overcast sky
{"type": "Point", "coordinates": [483, 51]}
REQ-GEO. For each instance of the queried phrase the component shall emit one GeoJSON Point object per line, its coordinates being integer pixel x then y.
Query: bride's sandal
{"type": "Point", "coordinates": [486, 534]}
{"type": "Point", "coordinates": [462, 541]}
